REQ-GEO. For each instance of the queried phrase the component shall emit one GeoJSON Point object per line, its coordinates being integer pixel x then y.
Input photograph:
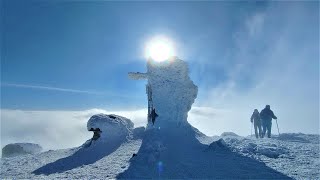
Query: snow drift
{"type": "Point", "coordinates": [17, 149]}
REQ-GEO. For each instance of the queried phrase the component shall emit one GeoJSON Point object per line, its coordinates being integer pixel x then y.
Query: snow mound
{"type": "Point", "coordinates": [114, 131]}
{"type": "Point", "coordinates": [268, 148]}
{"type": "Point", "coordinates": [294, 154]}
{"type": "Point", "coordinates": [229, 134]}
{"type": "Point", "coordinates": [17, 149]}
{"type": "Point", "coordinates": [111, 126]}
{"type": "Point", "coordinates": [299, 137]}
{"type": "Point", "coordinates": [138, 133]}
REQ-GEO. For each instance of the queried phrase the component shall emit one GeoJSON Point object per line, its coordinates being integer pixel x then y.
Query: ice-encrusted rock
{"type": "Point", "coordinates": [173, 92]}
{"type": "Point", "coordinates": [17, 149]}
{"type": "Point", "coordinates": [111, 126]}
{"type": "Point", "coordinates": [170, 90]}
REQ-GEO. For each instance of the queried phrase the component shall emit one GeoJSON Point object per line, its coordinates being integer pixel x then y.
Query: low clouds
{"type": "Point", "coordinates": [54, 129]}
{"type": "Point", "coordinates": [65, 129]}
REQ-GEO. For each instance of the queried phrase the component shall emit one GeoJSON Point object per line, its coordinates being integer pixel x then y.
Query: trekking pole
{"type": "Point", "coordinates": [251, 128]}
{"type": "Point", "coordinates": [278, 127]}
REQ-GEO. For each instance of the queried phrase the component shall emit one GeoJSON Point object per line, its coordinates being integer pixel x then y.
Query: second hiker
{"type": "Point", "coordinates": [255, 119]}
{"type": "Point", "coordinates": [266, 116]}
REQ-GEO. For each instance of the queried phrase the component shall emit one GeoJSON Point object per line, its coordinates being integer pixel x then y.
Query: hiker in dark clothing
{"type": "Point", "coordinates": [255, 119]}
{"type": "Point", "coordinates": [96, 134]}
{"type": "Point", "coordinates": [154, 115]}
{"type": "Point", "coordinates": [266, 116]}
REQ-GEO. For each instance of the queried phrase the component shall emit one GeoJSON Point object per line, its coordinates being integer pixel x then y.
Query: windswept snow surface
{"type": "Point", "coordinates": [296, 156]}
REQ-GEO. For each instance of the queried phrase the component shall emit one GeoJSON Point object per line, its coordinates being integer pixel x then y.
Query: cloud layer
{"type": "Point", "coordinates": [54, 129]}
{"type": "Point", "coordinates": [66, 129]}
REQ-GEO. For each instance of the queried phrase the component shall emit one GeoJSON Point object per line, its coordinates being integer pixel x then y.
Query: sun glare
{"type": "Point", "coordinates": [159, 49]}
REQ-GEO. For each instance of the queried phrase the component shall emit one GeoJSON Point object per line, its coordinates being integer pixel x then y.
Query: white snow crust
{"type": "Point", "coordinates": [296, 159]}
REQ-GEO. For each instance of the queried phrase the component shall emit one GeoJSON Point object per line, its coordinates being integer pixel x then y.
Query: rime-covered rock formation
{"type": "Point", "coordinates": [170, 90]}
{"type": "Point", "coordinates": [173, 92]}
{"type": "Point", "coordinates": [109, 127]}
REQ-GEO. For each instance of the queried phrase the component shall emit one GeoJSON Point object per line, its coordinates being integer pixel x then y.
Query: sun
{"type": "Point", "coordinates": [159, 49]}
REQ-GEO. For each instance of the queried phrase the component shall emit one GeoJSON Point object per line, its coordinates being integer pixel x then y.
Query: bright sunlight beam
{"type": "Point", "coordinates": [159, 49]}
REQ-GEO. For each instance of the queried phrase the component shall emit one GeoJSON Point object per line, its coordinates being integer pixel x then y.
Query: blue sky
{"type": "Point", "coordinates": [69, 55]}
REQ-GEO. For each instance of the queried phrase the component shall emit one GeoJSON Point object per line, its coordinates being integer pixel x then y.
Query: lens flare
{"type": "Point", "coordinates": [160, 167]}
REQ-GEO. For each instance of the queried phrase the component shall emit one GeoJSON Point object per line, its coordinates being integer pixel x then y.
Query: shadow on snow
{"type": "Point", "coordinates": [172, 153]}
{"type": "Point", "coordinates": [84, 156]}
{"type": "Point", "coordinates": [181, 155]}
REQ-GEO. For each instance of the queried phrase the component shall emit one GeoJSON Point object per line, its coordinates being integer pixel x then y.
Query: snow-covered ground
{"type": "Point", "coordinates": [290, 155]}
{"type": "Point", "coordinates": [293, 154]}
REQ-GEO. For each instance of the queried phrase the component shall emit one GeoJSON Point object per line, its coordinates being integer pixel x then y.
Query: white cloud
{"type": "Point", "coordinates": [54, 129]}
{"type": "Point", "coordinates": [65, 129]}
